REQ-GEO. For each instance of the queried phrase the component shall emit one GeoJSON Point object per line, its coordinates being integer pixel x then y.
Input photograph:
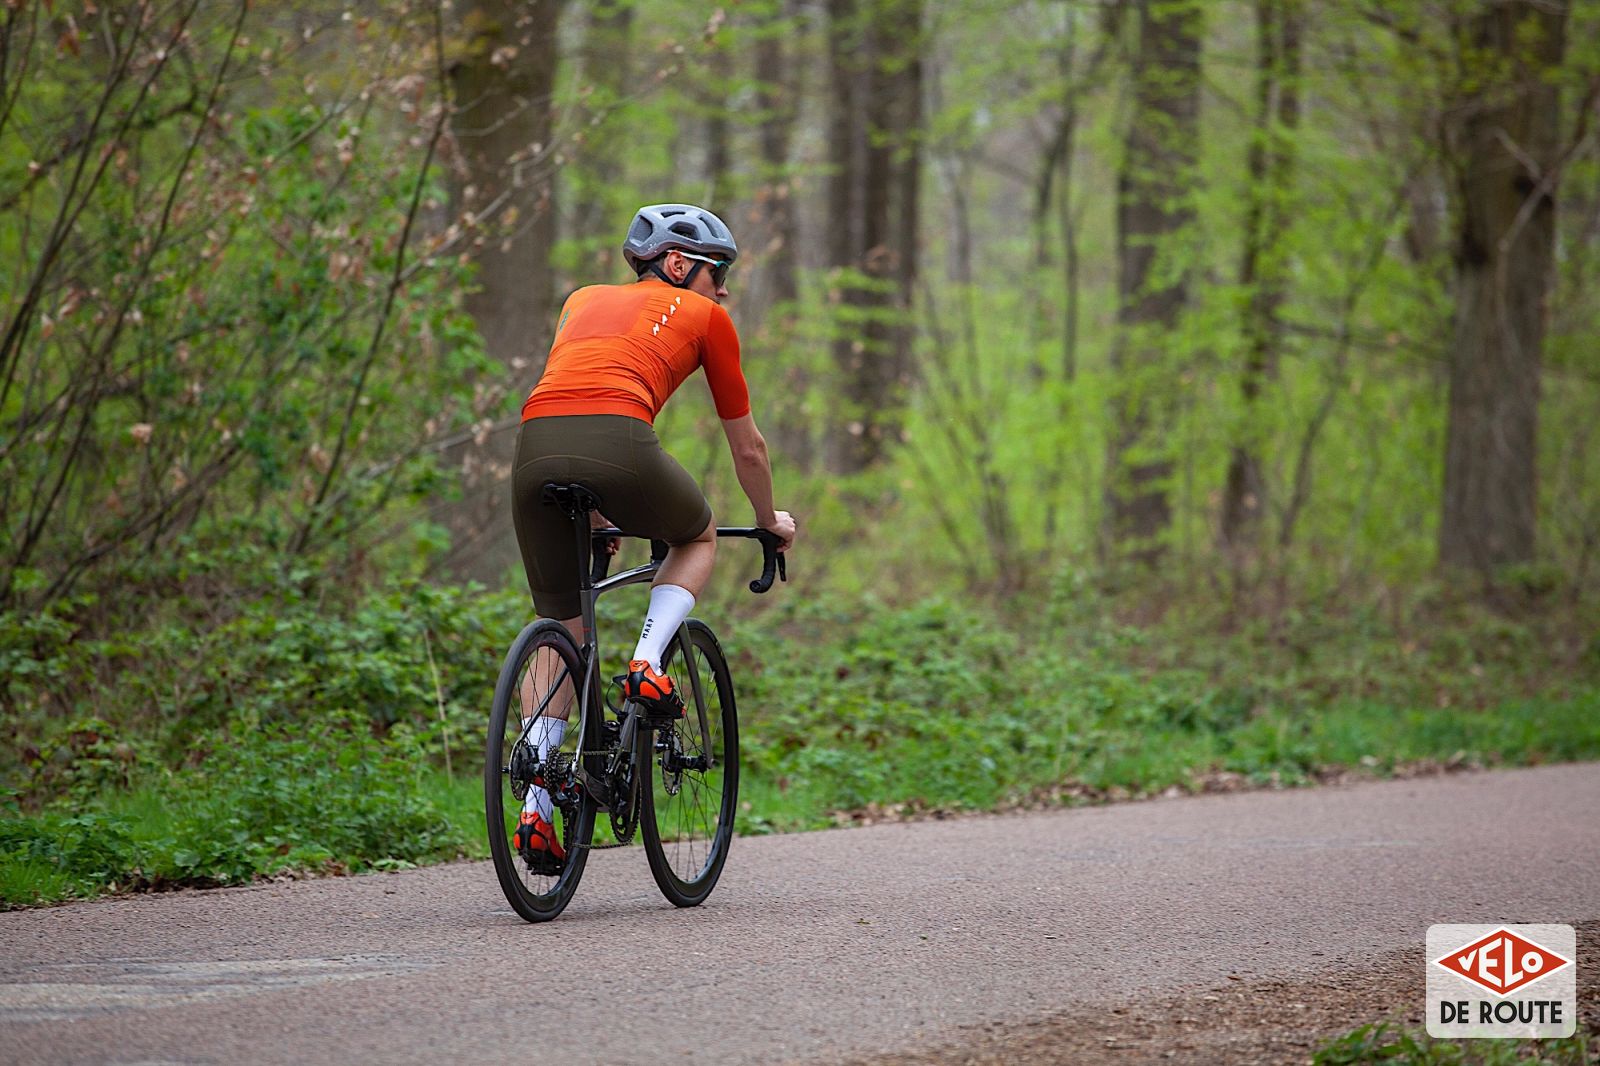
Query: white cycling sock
{"type": "Point", "coordinates": [669, 606]}
{"type": "Point", "coordinates": [545, 736]}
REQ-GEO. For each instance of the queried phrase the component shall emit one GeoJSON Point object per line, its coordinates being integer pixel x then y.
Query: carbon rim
{"type": "Point", "coordinates": [695, 779]}
{"type": "Point", "coordinates": [540, 676]}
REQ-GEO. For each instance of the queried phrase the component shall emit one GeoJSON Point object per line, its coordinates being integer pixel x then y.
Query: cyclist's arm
{"type": "Point", "coordinates": [753, 467]}
{"type": "Point", "coordinates": [720, 357]}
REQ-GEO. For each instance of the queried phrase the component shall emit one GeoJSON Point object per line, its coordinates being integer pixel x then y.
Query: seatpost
{"type": "Point", "coordinates": [580, 521]}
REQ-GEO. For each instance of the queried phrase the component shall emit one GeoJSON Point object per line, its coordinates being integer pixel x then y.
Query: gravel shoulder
{"type": "Point", "coordinates": [1257, 1023]}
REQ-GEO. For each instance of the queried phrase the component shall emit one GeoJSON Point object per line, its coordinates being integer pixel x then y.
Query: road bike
{"type": "Point", "coordinates": [677, 779]}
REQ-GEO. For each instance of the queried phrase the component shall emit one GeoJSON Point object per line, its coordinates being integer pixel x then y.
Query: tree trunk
{"type": "Point", "coordinates": [1263, 273]}
{"type": "Point", "coordinates": [1506, 162]}
{"type": "Point", "coordinates": [847, 60]}
{"type": "Point", "coordinates": [1071, 274]}
{"type": "Point", "coordinates": [876, 57]}
{"type": "Point", "coordinates": [777, 95]}
{"type": "Point", "coordinates": [906, 167]}
{"type": "Point", "coordinates": [1154, 208]}
{"type": "Point", "coordinates": [597, 214]}
{"type": "Point", "coordinates": [502, 80]}
{"type": "Point", "coordinates": [502, 130]}
{"type": "Point", "coordinates": [1058, 157]}
{"type": "Point", "coordinates": [718, 138]}
{"type": "Point", "coordinates": [778, 281]}
{"type": "Point", "coordinates": [846, 134]}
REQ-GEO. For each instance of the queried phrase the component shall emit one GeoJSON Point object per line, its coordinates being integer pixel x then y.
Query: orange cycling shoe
{"type": "Point", "coordinates": [536, 842]}
{"type": "Point", "coordinates": [651, 689]}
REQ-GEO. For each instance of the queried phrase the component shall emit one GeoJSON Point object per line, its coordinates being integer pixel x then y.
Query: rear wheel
{"type": "Point", "coordinates": [542, 675]}
{"type": "Point", "coordinates": [692, 791]}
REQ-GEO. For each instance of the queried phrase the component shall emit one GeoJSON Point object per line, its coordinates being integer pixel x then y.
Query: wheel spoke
{"type": "Point", "coordinates": [540, 677]}
{"type": "Point", "coordinates": [693, 801]}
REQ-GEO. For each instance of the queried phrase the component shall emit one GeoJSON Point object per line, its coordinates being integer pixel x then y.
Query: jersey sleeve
{"type": "Point", "coordinates": [720, 357]}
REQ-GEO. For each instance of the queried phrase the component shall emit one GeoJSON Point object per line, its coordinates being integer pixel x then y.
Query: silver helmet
{"type": "Point", "coordinates": [662, 227]}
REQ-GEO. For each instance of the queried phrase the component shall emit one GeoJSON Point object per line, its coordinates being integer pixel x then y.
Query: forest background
{"type": "Point", "coordinates": [1173, 395]}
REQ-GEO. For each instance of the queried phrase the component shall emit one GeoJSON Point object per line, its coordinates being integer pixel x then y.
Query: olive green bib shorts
{"type": "Point", "coordinates": [642, 491]}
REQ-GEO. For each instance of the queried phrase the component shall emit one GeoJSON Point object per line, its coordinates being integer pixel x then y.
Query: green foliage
{"type": "Point", "coordinates": [321, 795]}
{"type": "Point", "coordinates": [302, 796]}
{"type": "Point", "coordinates": [1387, 1042]}
{"type": "Point", "coordinates": [207, 333]}
{"type": "Point", "coordinates": [1009, 411]}
{"type": "Point", "coordinates": [928, 706]}
{"type": "Point", "coordinates": [297, 656]}
{"type": "Point", "coordinates": [64, 855]}
{"type": "Point", "coordinates": [33, 656]}
{"type": "Point", "coordinates": [304, 732]}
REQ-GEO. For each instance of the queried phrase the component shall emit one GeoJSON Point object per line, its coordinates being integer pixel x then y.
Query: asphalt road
{"type": "Point", "coordinates": [815, 947]}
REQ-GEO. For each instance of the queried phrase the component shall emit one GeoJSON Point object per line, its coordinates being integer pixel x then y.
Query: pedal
{"type": "Point", "coordinates": [543, 864]}
{"type": "Point", "coordinates": [657, 716]}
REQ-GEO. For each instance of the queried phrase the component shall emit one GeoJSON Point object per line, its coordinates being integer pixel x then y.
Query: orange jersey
{"type": "Point", "coordinates": [623, 349]}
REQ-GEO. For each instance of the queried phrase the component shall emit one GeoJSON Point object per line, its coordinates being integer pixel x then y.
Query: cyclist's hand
{"type": "Point", "coordinates": [783, 526]}
{"type": "Point", "coordinates": [600, 521]}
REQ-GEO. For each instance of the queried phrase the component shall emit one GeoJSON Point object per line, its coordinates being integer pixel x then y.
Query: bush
{"type": "Point", "coordinates": [330, 797]}
{"type": "Point", "coordinates": [287, 658]}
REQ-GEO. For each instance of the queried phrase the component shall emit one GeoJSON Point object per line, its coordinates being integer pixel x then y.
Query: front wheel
{"type": "Point", "coordinates": [692, 793]}
{"type": "Point", "coordinates": [542, 676]}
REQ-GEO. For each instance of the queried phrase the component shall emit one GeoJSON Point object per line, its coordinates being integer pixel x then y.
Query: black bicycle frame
{"type": "Point", "coordinates": [593, 583]}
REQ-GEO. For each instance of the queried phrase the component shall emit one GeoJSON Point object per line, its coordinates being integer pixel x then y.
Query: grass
{"type": "Point", "coordinates": [1387, 1042]}
{"type": "Point", "coordinates": [329, 799]}
{"type": "Point", "coordinates": [930, 707]}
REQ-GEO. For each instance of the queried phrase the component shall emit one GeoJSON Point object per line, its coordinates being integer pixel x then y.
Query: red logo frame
{"type": "Point", "coordinates": [1503, 962]}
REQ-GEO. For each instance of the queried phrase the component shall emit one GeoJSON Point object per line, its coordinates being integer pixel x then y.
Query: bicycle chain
{"type": "Point", "coordinates": [596, 847]}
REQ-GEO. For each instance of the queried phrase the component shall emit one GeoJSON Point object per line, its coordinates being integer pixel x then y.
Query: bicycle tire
{"type": "Point", "coordinates": [688, 817]}
{"type": "Point", "coordinates": [535, 897]}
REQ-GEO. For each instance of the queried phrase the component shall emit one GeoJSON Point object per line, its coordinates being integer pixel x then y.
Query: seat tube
{"type": "Point", "coordinates": [585, 579]}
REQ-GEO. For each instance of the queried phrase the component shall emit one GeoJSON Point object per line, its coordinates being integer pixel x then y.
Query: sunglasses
{"type": "Point", "coordinates": [719, 267]}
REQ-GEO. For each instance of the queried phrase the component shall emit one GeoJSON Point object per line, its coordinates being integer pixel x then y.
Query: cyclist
{"type": "Point", "coordinates": [619, 352]}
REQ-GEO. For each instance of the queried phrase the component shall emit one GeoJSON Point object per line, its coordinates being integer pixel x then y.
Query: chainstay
{"type": "Point", "coordinates": [606, 847]}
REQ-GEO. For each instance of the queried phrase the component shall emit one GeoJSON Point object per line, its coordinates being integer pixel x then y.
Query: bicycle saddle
{"type": "Point", "coordinates": [574, 500]}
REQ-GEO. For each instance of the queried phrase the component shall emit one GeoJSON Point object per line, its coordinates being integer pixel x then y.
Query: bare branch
{"type": "Point", "coordinates": [396, 281]}
{"type": "Point", "coordinates": [1301, 491]}
{"type": "Point", "coordinates": [1548, 181]}
{"type": "Point", "coordinates": [67, 217]}
{"type": "Point", "coordinates": [44, 168]}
